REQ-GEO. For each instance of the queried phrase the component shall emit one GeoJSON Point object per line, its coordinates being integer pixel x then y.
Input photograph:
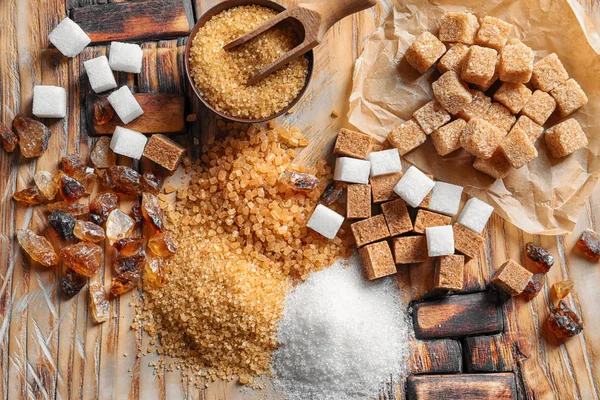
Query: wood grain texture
{"type": "Point", "coordinates": [489, 353]}
{"type": "Point", "coordinates": [471, 386]}
{"type": "Point", "coordinates": [443, 356]}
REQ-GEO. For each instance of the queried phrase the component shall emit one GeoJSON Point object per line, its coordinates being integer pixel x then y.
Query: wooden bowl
{"type": "Point", "coordinates": [205, 18]}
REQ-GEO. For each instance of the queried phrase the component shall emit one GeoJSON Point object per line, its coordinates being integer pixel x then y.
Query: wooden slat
{"type": "Point", "coordinates": [443, 356]}
{"type": "Point", "coordinates": [459, 315]}
{"type": "Point", "coordinates": [465, 386]}
{"type": "Point", "coordinates": [488, 353]}
{"type": "Point", "coordinates": [135, 20]}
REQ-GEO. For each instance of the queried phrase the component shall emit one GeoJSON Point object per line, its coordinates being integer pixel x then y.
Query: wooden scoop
{"type": "Point", "coordinates": [315, 17]}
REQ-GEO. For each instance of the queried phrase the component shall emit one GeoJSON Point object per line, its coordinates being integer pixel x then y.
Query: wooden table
{"type": "Point", "coordinates": [50, 349]}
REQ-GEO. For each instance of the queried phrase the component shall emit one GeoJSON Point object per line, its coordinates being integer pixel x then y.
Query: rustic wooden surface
{"type": "Point", "coordinates": [50, 349]}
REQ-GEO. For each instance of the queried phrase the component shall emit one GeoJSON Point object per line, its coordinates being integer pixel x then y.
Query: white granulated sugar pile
{"type": "Point", "coordinates": [342, 337]}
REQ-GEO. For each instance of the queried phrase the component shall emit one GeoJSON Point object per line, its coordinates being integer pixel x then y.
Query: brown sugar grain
{"type": "Point", "coordinates": [164, 152]}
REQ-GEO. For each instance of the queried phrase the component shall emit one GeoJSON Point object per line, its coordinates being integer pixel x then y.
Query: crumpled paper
{"type": "Point", "coordinates": [544, 197]}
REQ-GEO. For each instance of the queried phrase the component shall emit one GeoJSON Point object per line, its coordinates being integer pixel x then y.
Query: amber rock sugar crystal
{"type": "Point", "coordinates": [125, 282]}
{"type": "Point", "coordinates": [9, 140]}
{"type": "Point", "coordinates": [30, 195]}
{"type": "Point", "coordinates": [88, 231]}
{"type": "Point", "coordinates": [83, 258]}
{"type": "Point", "coordinates": [589, 243]}
{"type": "Point", "coordinates": [33, 136]}
{"type": "Point", "coordinates": [540, 256]}
{"type": "Point", "coordinates": [63, 224]}
{"type": "Point", "coordinates": [118, 226]}
{"type": "Point", "coordinates": [535, 284]}
{"type": "Point", "coordinates": [162, 244]}
{"type": "Point", "coordinates": [123, 180]}
{"type": "Point", "coordinates": [70, 188]}
{"type": "Point", "coordinates": [38, 247]}
{"type": "Point", "coordinates": [102, 156]}
{"type": "Point", "coordinates": [99, 305]}
{"type": "Point", "coordinates": [562, 289]}
{"type": "Point", "coordinates": [563, 321]}
{"type": "Point", "coordinates": [128, 246]}
{"type": "Point", "coordinates": [72, 283]}
{"type": "Point", "coordinates": [102, 206]}
{"type": "Point", "coordinates": [47, 184]}
{"type": "Point", "coordinates": [152, 212]}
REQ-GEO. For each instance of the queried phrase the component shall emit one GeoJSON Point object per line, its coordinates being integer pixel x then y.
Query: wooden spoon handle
{"type": "Point", "coordinates": [331, 11]}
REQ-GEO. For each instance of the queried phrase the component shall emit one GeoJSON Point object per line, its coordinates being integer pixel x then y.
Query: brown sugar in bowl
{"type": "Point", "coordinates": [217, 9]}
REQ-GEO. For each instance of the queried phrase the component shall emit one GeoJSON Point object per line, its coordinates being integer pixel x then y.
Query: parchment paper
{"type": "Point", "coordinates": [544, 197]}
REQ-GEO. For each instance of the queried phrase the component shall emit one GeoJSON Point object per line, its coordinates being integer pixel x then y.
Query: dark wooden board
{"type": "Point", "coordinates": [163, 113]}
{"type": "Point", "coordinates": [135, 20]}
{"type": "Point", "coordinates": [459, 315]}
{"type": "Point", "coordinates": [493, 353]}
{"type": "Point", "coordinates": [442, 356]}
{"type": "Point", "coordinates": [471, 387]}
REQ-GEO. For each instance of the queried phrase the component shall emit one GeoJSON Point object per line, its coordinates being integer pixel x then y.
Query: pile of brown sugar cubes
{"type": "Point", "coordinates": [501, 130]}
{"type": "Point", "coordinates": [401, 217]}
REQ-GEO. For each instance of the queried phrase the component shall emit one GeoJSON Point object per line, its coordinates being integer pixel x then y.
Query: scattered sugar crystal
{"type": "Point", "coordinates": [126, 57]}
{"type": "Point", "coordinates": [341, 336]}
{"type": "Point", "coordinates": [385, 162]}
{"type": "Point", "coordinates": [475, 215]}
{"type": "Point", "coordinates": [127, 142]}
{"type": "Point", "coordinates": [99, 74]}
{"type": "Point", "coordinates": [440, 240]}
{"type": "Point", "coordinates": [125, 104]}
{"type": "Point", "coordinates": [325, 221]}
{"type": "Point", "coordinates": [414, 186]}
{"type": "Point", "coordinates": [445, 198]}
{"type": "Point", "coordinates": [69, 38]}
{"type": "Point", "coordinates": [352, 170]}
{"type": "Point", "coordinates": [49, 102]}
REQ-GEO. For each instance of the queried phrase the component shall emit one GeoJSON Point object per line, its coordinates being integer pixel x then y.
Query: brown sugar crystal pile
{"type": "Point", "coordinates": [242, 242]}
{"type": "Point", "coordinates": [221, 76]}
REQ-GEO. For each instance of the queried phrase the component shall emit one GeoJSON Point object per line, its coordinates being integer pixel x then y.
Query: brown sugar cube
{"type": "Point", "coordinates": [512, 278]}
{"type": "Point", "coordinates": [369, 230]}
{"type": "Point", "coordinates": [407, 136]}
{"type": "Point", "coordinates": [518, 148]}
{"type": "Point", "coordinates": [466, 241]}
{"type": "Point", "coordinates": [424, 52]}
{"type": "Point", "coordinates": [427, 219]}
{"type": "Point", "coordinates": [164, 152]}
{"type": "Point", "coordinates": [486, 85]}
{"type": "Point", "coordinates": [476, 108]}
{"type": "Point", "coordinates": [493, 33]}
{"type": "Point", "coordinates": [449, 272]}
{"type": "Point", "coordinates": [358, 201]}
{"type": "Point", "coordinates": [479, 66]}
{"type": "Point", "coordinates": [454, 59]}
{"type": "Point", "coordinates": [447, 138]}
{"type": "Point", "coordinates": [397, 217]}
{"type": "Point", "coordinates": [352, 144]}
{"type": "Point", "coordinates": [548, 73]}
{"type": "Point", "coordinates": [382, 187]}
{"type": "Point", "coordinates": [431, 116]}
{"type": "Point", "coordinates": [533, 130]}
{"type": "Point", "coordinates": [539, 107]}
{"type": "Point", "coordinates": [516, 62]}
{"type": "Point", "coordinates": [569, 97]}
{"type": "Point", "coordinates": [500, 117]}
{"type": "Point", "coordinates": [410, 249]}
{"type": "Point", "coordinates": [513, 96]}
{"type": "Point", "coordinates": [565, 138]}
{"type": "Point", "coordinates": [496, 166]}
{"type": "Point", "coordinates": [451, 92]}
{"type": "Point", "coordinates": [481, 138]}
{"type": "Point", "coordinates": [377, 260]}
{"type": "Point", "coordinates": [458, 27]}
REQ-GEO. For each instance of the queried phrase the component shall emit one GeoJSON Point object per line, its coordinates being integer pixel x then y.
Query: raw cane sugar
{"type": "Point", "coordinates": [164, 152]}
{"type": "Point", "coordinates": [539, 107]}
{"type": "Point", "coordinates": [370, 230]}
{"type": "Point", "coordinates": [466, 241]}
{"type": "Point", "coordinates": [325, 221]}
{"type": "Point", "coordinates": [410, 249]}
{"type": "Point", "coordinates": [497, 166]}
{"type": "Point", "coordinates": [500, 117]}
{"type": "Point", "coordinates": [548, 73]}
{"type": "Point", "coordinates": [440, 240]}
{"type": "Point", "coordinates": [518, 148]}
{"type": "Point", "coordinates": [377, 260]}
{"type": "Point", "coordinates": [414, 186]}
{"type": "Point", "coordinates": [407, 136]}
{"type": "Point", "coordinates": [445, 198]}
{"type": "Point", "coordinates": [475, 215]}
{"type": "Point", "coordinates": [569, 97]}
{"type": "Point", "coordinates": [565, 138]}
{"type": "Point", "coordinates": [449, 272]}
{"type": "Point", "coordinates": [382, 187]}
{"type": "Point", "coordinates": [451, 92]}
{"type": "Point", "coordinates": [423, 53]}
{"type": "Point", "coordinates": [458, 27]}
{"type": "Point", "coordinates": [479, 66]}
{"type": "Point", "coordinates": [493, 33]}
{"type": "Point", "coordinates": [358, 201]}
{"type": "Point", "coordinates": [397, 217]}
{"type": "Point", "coordinates": [447, 138]}
{"type": "Point", "coordinates": [513, 96]}
{"type": "Point", "coordinates": [427, 219]}
{"type": "Point", "coordinates": [352, 170]}
{"type": "Point", "coordinates": [481, 138]}
{"type": "Point", "coordinates": [476, 108]}
{"type": "Point", "coordinates": [385, 162]}
{"type": "Point", "coordinates": [516, 62]}
{"type": "Point", "coordinates": [512, 278]}
{"type": "Point", "coordinates": [527, 125]}
{"type": "Point", "coordinates": [352, 144]}
{"type": "Point", "coordinates": [431, 116]}
{"type": "Point", "coordinates": [454, 59]}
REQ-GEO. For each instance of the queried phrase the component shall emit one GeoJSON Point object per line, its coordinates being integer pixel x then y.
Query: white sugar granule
{"type": "Point", "coordinates": [342, 337]}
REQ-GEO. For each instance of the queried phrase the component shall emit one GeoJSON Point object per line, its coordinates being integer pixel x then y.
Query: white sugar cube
{"type": "Point", "coordinates": [445, 198]}
{"type": "Point", "coordinates": [385, 162]}
{"type": "Point", "coordinates": [69, 38]}
{"type": "Point", "coordinates": [125, 57]}
{"type": "Point", "coordinates": [475, 214]}
{"type": "Point", "coordinates": [125, 104]}
{"type": "Point", "coordinates": [414, 186]}
{"type": "Point", "coordinates": [49, 102]}
{"type": "Point", "coordinates": [440, 240]}
{"type": "Point", "coordinates": [127, 142]}
{"type": "Point", "coordinates": [352, 170]}
{"type": "Point", "coordinates": [325, 221]}
{"type": "Point", "coordinates": [99, 74]}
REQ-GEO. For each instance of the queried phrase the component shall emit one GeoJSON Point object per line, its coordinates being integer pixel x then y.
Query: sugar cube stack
{"type": "Point", "coordinates": [125, 104]}
{"type": "Point", "coordinates": [49, 102]}
{"type": "Point", "coordinates": [69, 38]}
{"type": "Point", "coordinates": [325, 221]}
{"type": "Point", "coordinates": [475, 214]}
{"type": "Point", "coordinates": [99, 74]}
{"type": "Point", "coordinates": [385, 162]}
{"type": "Point", "coordinates": [445, 198]}
{"type": "Point", "coordinates": [127, 142]}
{"type": "Point", "coordinates": [414, 186]}
{"type": "Point", "coordinates": [440, 240]}
{"type": "Point", "coordinates": [125, 57]}
{"type": "Point", "coordinates": [352, 170]}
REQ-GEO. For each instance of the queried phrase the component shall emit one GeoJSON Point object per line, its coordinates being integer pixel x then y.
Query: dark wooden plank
{"type": "Point", "coordinates": [460, 315]}
{"type": "Point", "coordinates": [489, 353]}
{"type": "Point", "coordinates": [442, 356]}
{"type": "Point", "coordinates": [463, 386]}
{"type": "Point", "coordinates": [163, 113]}
{"type": "Point", "coordinates": [135, 20]}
